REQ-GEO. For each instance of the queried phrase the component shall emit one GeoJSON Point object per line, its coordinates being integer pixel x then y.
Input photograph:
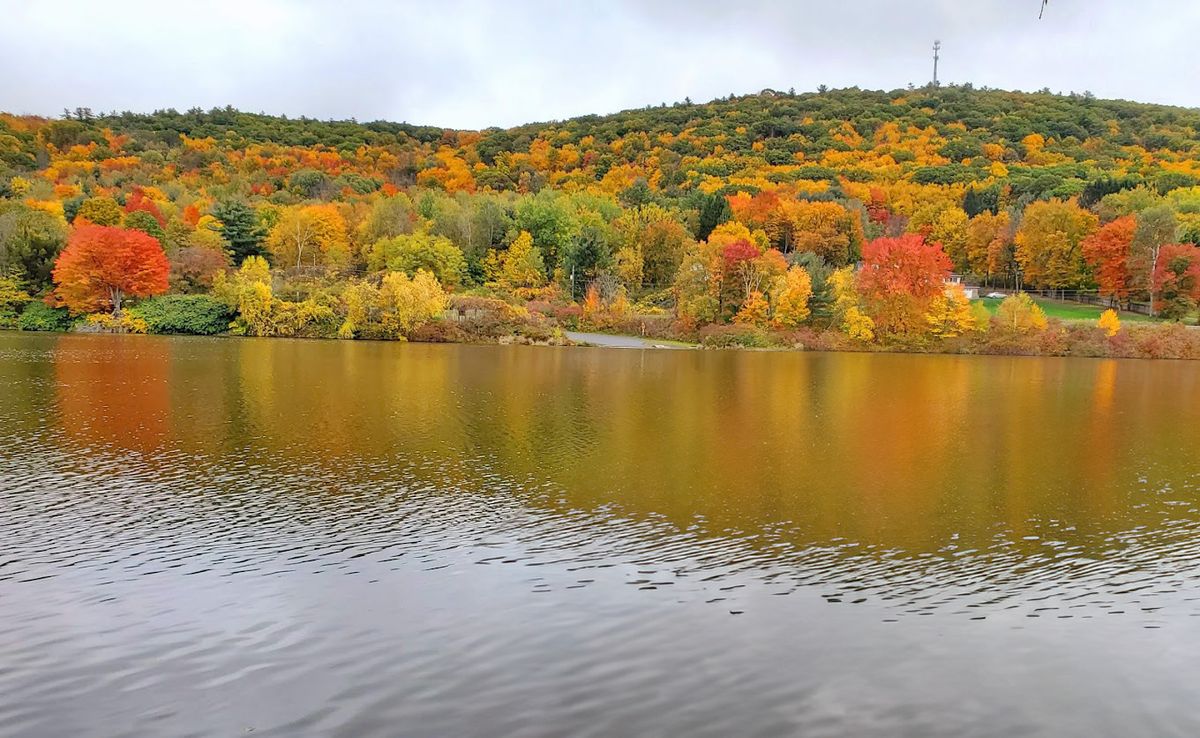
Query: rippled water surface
{"type": "Point", "coordinates": [290, 538]}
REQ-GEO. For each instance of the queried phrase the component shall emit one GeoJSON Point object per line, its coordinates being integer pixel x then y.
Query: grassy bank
{"type": "Point", "coordinates": [1070, 310]}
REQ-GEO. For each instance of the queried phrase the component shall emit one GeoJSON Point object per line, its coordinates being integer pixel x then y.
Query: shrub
{"type": "Point", "coordinates": [1172, 341]}
{"type": "Point", "coordinates": [807, 338]}
{"type": "Point", "coordinates": [438, 331]}
{"type": "Point", "coordinates": [738, 335]}
{"type": "Point", "coordinates": [38, 316]}
{"type": "Point", "coordinates": [306, 319]}
{"type": "Point", "coordinates": [1009, 343]}
{"type": "Point", "coordinates": [126, 322]}
{"type": "Point", "coordinates": [1110, 322]}
{"type": "Point", "coordinates": [648, 326]}
{"type": "Point", "coordinates": [1053, 341]}
{"type": "Point", "coordinates": [200, 315]}
{"type": "Point", "coordinates": [568, 315]}
{"type": "Point", "coordinates": [12, 300]}
{"type": "Point", "coordinates": [485, 317]}
{"type": "Point", "coordinates": [1083, 339]}
{"type": "Point", "coordinates": [540, 332]}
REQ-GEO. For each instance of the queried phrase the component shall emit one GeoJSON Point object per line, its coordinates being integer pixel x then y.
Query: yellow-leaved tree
{"type": "Point", "coordinates": [404, 303]}
{"type": "Point", "coordinates": [310, 234]}
{"type": "Point", "coordinates": [1020, 314]}
{"type": "Point", "coordinates": [248, 292]}
{"type": "Point", "coordinates": [754, 310]}
{"type": "Point", "coordinates": [1110, 323]}
{"type": "Point", "coordinates": [949, 313]}
{"type": "Point", "coordinates": [361, 301]}
{"type": "Point", "coordinates": [522, 265]}
{"type": "Point", "coordinates": [792, 293]}
{"type": "Point", "coordinates": [947, 225]}
{"type": "Point", "coordinates": [1049, 243]}
{"type": "Point", "coordinates": [847, 308]}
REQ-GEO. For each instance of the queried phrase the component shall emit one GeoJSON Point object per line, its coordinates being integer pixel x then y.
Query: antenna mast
{"type": "Point", "coordinates": [937, 46]}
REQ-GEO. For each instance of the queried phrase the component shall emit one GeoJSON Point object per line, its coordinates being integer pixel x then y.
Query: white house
{"type": "Point", "coordinates": [972, 292]}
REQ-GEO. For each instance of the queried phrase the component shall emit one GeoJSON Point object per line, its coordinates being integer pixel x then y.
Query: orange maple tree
{"type": "Point", "coordinates": [138, 201]}
{"type": "Point", "coordinates": [899, 278]}
{"type": "Point", "coordinates": [101, 265]}
{"type": "Point", "coordinates": [1107, 251]}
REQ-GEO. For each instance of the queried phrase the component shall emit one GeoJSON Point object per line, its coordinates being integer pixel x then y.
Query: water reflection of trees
{"type": "Point", "coordinates": [898, 452]}
{"type": "Point", "coordinates": [115, 390]}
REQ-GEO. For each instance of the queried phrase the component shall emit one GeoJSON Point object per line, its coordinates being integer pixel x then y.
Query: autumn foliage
{"type": "Point", "coordinates": [1107, 251]}
{"type": "Point", "coordinates": [899, 278]}
{"type": "Point", "coordinates": [1110, 323]}
{"type": "Point", "coordinates": [101, 265]}
{"type": "Point", "coordinates": [781, 217]}
{"type": "Point", "coordinates": [1048, 243]}
{"type": "Point", "coordinates": [792, 293]}
{"type": "Point", "coordinates": [1020, 314]}
{"type": "Point", "coordinates": [138, 201]}
{"type": "Point", "coordinates": [1177, 280]}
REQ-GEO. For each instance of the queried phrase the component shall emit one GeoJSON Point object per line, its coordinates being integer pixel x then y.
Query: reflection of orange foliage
{"type": "Point", "coordinates": [115, 390]}
{"type": "Point", "coordinates": [900, 453]}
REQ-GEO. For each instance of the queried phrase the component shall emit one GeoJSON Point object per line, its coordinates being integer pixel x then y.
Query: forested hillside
{"type": "Point", "coordinates": [696, 210]}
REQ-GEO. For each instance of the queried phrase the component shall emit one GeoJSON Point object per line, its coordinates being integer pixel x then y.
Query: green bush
{"type": "Point", "coordinates": [200, 315]}
{"type": "Point", "coordinates": [12, 300]}
{"type": "Point", "coordinates": [734, 335]}
{"type": "Point", "coordinates": [38, 316]}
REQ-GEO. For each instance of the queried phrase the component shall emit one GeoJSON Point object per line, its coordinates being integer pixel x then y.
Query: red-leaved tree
{"type": "Point", "coordinates": [191, 215]}
{"type": "Point", "coordinates": [193, 268]}
{"type": "Point", "coordinates": [137, 200]}
{"type": "Point", "coordinates": [1177, 280]}
{"type": "Point", "coordinates": [899, 278]}
{"type": "Point", "coordinates": [101, 265]}
{"type": "Point", "coordinates": [748, 271]}
{"type": "Point", "coordinates": [1107, 252]}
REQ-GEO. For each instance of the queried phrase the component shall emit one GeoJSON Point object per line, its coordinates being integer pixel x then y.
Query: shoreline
{"type": "Point", "coordinates": [626, 342]}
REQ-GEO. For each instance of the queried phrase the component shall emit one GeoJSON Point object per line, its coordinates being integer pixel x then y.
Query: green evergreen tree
{"type": "Point", "coordinates": [714, 211]}
{"type": "Point", "coordinates": [241, 230]}
{"type": "Point", "coordinates": [30, 241]}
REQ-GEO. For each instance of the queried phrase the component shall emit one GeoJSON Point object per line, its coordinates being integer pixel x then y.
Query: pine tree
{"type": "Point", "coordinates": [241, 230]}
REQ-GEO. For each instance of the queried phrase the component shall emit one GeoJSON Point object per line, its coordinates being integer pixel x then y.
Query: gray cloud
{"type": "Point", "coordinates": [474, 63]}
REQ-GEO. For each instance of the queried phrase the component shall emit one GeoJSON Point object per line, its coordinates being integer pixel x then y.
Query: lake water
{"type": "Point", "coordinates": [220, 537]}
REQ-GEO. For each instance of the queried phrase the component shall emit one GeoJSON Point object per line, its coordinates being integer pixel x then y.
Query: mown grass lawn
{"type": "Point", "coordinates": [1069, 310]}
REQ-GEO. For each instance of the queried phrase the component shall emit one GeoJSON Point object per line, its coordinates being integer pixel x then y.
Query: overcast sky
{"type": "Point", "coordinates": [476, 63]}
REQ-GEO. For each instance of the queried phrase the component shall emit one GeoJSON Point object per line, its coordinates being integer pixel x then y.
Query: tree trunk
{"type": "Point", "coordinates": [301, 237]}
{"type": "Point", "coordinates": [1153, 268]}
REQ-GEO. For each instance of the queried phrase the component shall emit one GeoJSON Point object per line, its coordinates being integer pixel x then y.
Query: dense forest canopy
{"type": "Point", "coordinates": [938, 136]}
{"type": "Point", "coordinates": [670, 206]}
